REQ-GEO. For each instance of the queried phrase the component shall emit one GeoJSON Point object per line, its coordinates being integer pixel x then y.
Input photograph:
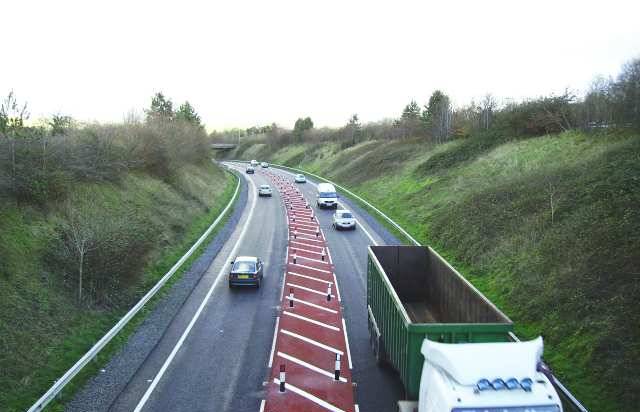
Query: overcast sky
{"type": "Point", "coordinates": [244, 63]}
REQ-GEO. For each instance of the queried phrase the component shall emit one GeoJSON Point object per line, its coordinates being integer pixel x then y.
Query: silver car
{"type": "Point", "coordinates": [343, 219]}
{"type": "Point", "coordinates": [265, 190]}
{"type": "Point", "coordinates": [300, 179]}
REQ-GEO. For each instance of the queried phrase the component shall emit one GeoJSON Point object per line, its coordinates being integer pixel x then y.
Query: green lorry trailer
{"type": "Point", "coordinates": [413, 294]}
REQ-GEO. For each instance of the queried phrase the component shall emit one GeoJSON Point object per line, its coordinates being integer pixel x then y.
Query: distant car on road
{"type": "Point", "coordinates": [343, 219]}
{"type": "Point", "coordinates": [246, 270]}
{"type": "Point", "coordinates": [254, 163]}
{"type": "Point", "coordinates": [264, 165]}
{"type": "Point", "coordinates": [300, 179]}
{"type": "Point", "coordinates": [250, 170]}
{"type": "Point", "coordinates": [265, 190]}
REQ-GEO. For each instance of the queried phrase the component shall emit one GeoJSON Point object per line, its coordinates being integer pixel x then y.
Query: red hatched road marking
{"type": "Point", "coordinates": [309, 335]}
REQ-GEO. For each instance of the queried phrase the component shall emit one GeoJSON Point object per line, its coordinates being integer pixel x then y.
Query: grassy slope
{"type": "Point", "coordinates": [42, 331]}
{"type": "Point", "coordinates": [487, 205]}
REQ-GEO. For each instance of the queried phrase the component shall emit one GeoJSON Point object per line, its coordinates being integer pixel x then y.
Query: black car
{"type": "Point", "coordinates": [246, 270]}
{"type": "Point", "coordinates": [250, 170]}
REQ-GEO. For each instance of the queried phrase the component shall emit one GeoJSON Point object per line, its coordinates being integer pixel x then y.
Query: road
{"type": "Point", "coordinates": [215, 353]}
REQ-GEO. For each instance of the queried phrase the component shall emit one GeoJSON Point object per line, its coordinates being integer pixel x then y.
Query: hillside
{"type": "Point", "coordinates": [140, 224]}
{"type": "Point", "coordinates": [547, 227]}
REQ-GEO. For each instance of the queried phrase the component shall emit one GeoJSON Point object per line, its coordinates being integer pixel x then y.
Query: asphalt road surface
{"type": "Point", "coordinates": [214, 355]}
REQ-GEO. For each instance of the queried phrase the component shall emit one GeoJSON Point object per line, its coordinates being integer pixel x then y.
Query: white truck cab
{"type": "Point", "coordinates": [326, 196]}
{"type": "Point", "coordinates": [484, 377]}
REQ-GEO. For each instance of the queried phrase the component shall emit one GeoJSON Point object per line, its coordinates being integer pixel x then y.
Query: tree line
{"type": "Point", "coordinates": [609, 103]}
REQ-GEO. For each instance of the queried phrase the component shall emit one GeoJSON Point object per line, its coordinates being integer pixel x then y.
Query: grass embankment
{"type": "Point", "coordinates": [548, 228]}
{"type": "Point", "coordinates": [43, 330]}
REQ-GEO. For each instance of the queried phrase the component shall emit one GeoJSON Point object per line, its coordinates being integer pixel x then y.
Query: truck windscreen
{"type": "Point", "coordinates": [327, 194]}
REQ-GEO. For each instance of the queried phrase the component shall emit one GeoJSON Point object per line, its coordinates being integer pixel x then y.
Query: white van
{"type": "Point", "coordinates": [326, 196]}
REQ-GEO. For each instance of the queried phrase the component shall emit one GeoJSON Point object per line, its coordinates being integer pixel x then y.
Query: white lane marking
{"type": "Point", "coordinates": [299, 249]}
{"type": "Point", "coordinates": [304, 224]}
{"type": "Point", "coordinates": [315, 322]}
{"type": "Point", "coordinates": [309, 396]}
{"type": "Point", "coordinates": [304, 244]}
{"type": "Point", "coordinates": [342, 205]}
{"type": "Point", "coordinates": [329, 254]}
{"type": "Point", "coordinates": [357, 408]}
{"type": "Point", "coordinates": [308, 366]}
{"type": "Point", "coordinates": [366, 232]}
{"type": "Point", "coordinates": [311, 268]}
{"type": "Point", "coordinates": [335, 281]}
{"type": "Point", "coordinates": [309, 239]}
{"type": "Point", "coordinates": [262, 402]}
{"type": "Point", "coordinates": [313, 342]}
{"type": "Point", "coordinates": [286, 255]}
{"type": "Point", "coordinates": [313, 230]}
{"type": "Point", "coordinates": [313, 305]}
{"type": "Point", "coordinates": [186, 332]}
{"type": "Point", "coordinates": [284, 276]}
{"type": "Point", "coordinates": [312, 259]}
{"type": "Point", "coordinates": [317, 292]}
{"type": "Point", "coordinates": [311, 278]}
{"type": "Point", "coordinates": [346, 339]}
{"type": "Point", "coordinates": [273, 344]}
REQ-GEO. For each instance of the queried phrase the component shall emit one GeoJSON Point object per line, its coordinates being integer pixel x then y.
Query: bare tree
{"type": "Point", "coordinates": [552, 192]}
{"type": "Point", "coordinates": [80, 238]}
{"type": "Point", "coordinates": [489, 104]}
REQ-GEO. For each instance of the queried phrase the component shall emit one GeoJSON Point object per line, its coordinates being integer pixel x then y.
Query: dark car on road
{"type": "Point", "coordinates": [246, 270]}
{"type": "Point", "coordinates": [250, 170]}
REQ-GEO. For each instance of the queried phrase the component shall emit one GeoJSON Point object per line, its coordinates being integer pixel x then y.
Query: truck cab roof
{"type": "Point", "coordinates": [326, 187]}
{"type": "Point", "coordinates": [466, 373]}
{"type": "Point", "coordinates": [467, 363]}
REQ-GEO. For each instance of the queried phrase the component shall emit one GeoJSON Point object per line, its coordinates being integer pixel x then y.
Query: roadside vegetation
{"type": "Point", "coordinates": [90, 217]}
{"type": "Point", "coordinates": [536, 202]}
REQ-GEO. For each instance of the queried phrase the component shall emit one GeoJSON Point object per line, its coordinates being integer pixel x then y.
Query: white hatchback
{"type": "Point", "coordinates": [265, 190]}
{"type": "Point", "coordinates": [300, 179]}
{"type": "Point", "coordinates": [343, 219]}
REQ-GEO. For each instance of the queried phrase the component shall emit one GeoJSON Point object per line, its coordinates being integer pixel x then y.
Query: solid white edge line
{"type": "Point", "coordinates": [275, 336]}
{"type": "Point", "coordinates": [329, 254]}
{"type": "Point", "coordinates": [186, 332]}
{"type": "Point", "coordinates": [335, 282]}
{"type": "Point", "coordinates": [307, 251]}
{"type": "Point", "coordinates": [95, 349]}
{"type": "Point", "coordinates": [366, 232]}
{"type": "Point", "coordinates": [303, 224]}
{"type": "Point", "coordinates": [311, 278]}
{"type": "Point", "coordinates": [262, 402]}
{"type": "Point", "coordinates": [309, 366]}
{"type": "Point", "coordinates": [311, 268]}
{"type": "Point", "coordinates": [304, 244]}
{"type": "Point", "coordinates": [313, 305]}
{"type": "Point", "coordinates": [357, 408]}
{"type": "Point", "coordinates": [284, 276]}
{"type": "Point", "coordinates": [313, 321]}
{"type": "Point", "coordinates": [313, 342]}
{"type": "Point", "coordinates": [346, 340]}
{"type": "Point", "coordinates": [357, 220]}
{"type": "Point", "coordinates": [308, 239]}
{"type": "Point", "coordinates": [309, 396]}
{"type": "Point", "coordinates": [313, 260]}
{"type": "Point", "coordinates": [317, 292]}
